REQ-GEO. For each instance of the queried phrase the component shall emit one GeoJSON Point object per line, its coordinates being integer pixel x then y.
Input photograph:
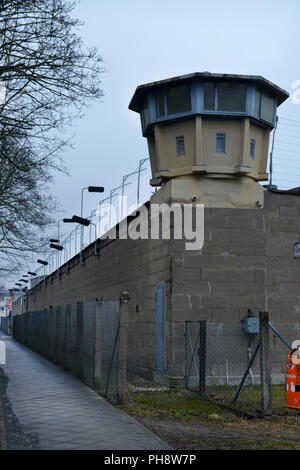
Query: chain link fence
{"type": "Point", "coordinates": [83, 338]}
{"type": "Point", "coordinates": [149, 390]}
{"type": "Point", "coordinates": [206, 366]}
{"type": "Point", "coordinates": [5, 325]}
{"type": "Point", "coordinates": [240, 366]}
{"type": "Point", "coordinates": [216, 361]}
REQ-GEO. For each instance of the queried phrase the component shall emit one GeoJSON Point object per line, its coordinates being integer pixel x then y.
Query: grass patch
{"type": "Point", "coordinates": [241, 444]}
{"type": "Point", "coordinates": [249, 399]}
{"type": "Point", "coordinates": [186, 421]}
{"type": "Point", "coordinates": [173, 404]}
{"type": "Point", "coordinates": [182, 403]}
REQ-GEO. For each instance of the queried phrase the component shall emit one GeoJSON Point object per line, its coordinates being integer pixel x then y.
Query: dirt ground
{"type": "Point", "coordinates": [188, 423]}
{"type": "Point", "coordinates": [256, 434]}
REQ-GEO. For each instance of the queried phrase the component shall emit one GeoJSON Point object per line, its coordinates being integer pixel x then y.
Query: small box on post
{"type": "Point", "coordinates": [251, 325]}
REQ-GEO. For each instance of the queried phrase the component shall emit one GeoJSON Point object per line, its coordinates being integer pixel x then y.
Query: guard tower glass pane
{"type": "Point", "coordinates": [178, 100]}
{"type": "Point", "coordinates": [256, 102]}
{"type": "Point", "coordinates": [145, 115]}
{"type": "Point", "coordinates": [267, 107]}
{"type": "Point", "coordinates": [160, 104]}
{"type": "Point", "coordinates": [231, 97]}
{"type": "Point", "coordinates": [209, 96]}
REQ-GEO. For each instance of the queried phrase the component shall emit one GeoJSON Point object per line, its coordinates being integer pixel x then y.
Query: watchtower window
{"type": "Point", "coordinates": [231, 97]}
{"type": "Point", "coordinates": [178, 100]}
{"type": "Point", "coordinates": [252, 149]}
{"type": "Point", "coordinates": [264, 105]}
{"type": "Point", "coordinates": [145, 115]}
{"type": "Point", "coordinates": [224, 96]}
{"type": "Point", "coordinates": [160, 104]}
{"type": "Point", "coordinates": [209, 96]}
{"type": "Point", "coordinates": [180, 146]}
{"type": "Point", "coordinates": [257, 102]}
{"type": "Point", "coordinates": [267, 107]}
{"type": "Point", "coordinates": [221, 143]}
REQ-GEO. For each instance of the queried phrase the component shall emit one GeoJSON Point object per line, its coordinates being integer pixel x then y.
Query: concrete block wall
{"type": "Point", "coordinates": [137, 266]}
{"type": "Point", "coordinates": [225, 278]}
{"type": "Point", "coordinates": [246, 263]}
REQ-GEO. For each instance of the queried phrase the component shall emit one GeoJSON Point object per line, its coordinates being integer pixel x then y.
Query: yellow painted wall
{"type": "Point", "coordinates": [166, 140]}
{"type": "Point", "coordinates": [200, 148]}
{"type": "Point", "coordinates": [207, 167]}
{"type": "Point", "coordinates": [233, 131]}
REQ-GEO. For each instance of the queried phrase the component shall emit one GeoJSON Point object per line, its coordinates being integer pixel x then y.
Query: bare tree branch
{"type": "Point", "coordinates": [50, 77]}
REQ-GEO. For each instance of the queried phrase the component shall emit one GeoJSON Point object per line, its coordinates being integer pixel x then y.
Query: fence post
{"type": "Point", "coordinates": [79, 340]}
{"type": "Point", "coordinates": [122, 350]}
{"type": "Point", "coordinates": [265, 369]}
{"type": "Point", "coordinates": [202, 358]}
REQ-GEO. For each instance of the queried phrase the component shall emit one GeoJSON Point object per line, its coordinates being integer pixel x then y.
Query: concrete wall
{"type": "Point", "coordinates": [246, 263]}
{"type": "Point", "coordinates": [136, 266]}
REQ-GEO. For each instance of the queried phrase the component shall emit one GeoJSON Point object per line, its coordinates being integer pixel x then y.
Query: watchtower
{"type": "Point", "coordinates": [208, 137]}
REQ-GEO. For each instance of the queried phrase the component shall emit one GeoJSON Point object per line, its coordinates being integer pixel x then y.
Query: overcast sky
{"type": "Point", "coordinates": [147, 40]}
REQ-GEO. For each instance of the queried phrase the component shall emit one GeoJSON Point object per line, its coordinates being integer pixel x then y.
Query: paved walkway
{"type": "Point", "coordinates": [47, 408]}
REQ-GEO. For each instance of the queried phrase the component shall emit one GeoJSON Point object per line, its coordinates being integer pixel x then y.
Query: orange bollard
{"type": "Point", "coordinates": [293, 380]}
